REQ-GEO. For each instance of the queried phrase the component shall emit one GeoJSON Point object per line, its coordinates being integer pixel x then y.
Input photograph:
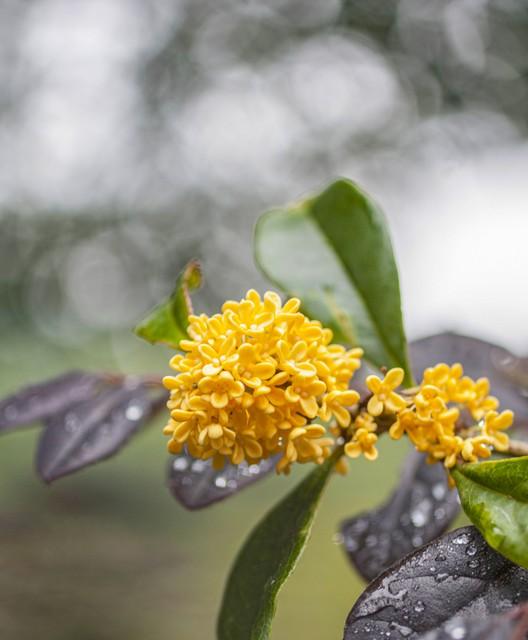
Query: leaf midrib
{"type": "Point", "coordinates": [345, 268]}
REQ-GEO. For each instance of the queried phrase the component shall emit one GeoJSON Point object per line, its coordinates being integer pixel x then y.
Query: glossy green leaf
{"type": "Point", "coordinates": [334, 252]}
{"type": "Point", "coordinates": [495, 497]}
{"type": "Point", "coordinates": [167, 323]}
{"type": "Point", "coordinates": [267, 558]}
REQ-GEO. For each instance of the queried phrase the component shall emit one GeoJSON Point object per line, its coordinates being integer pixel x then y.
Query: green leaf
{"type": "Point", "coordinates": [334, 252]}
{"type": "Point", "coordinates": [495, 497]}
{"type": "Point", "coordinates": [267, 558]}
{"type": "Point", "coordinates": [167, 323]}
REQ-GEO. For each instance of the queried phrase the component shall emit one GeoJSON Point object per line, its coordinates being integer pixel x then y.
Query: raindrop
{"type": "Point", "coordinates": [441, 577]}
{"type": "Point", "coordinates": [418, 518]}
{"type": "Point", "coordinates": [254, 469]}
{"type": "Point", "coordinates": [419, 607]}
{"type": "Point", "coordinates": [463, 538]}
{"type": "Point", "coordinates": [198, 466]}
{"type": "Point", "coordinates": [417, 541]}
{"type": "Point", "coordinates": [438, 490]}
{"type": "Point", "coordinates": [232, 484]}
{"type": "Point", "coordinates": [471, 550]}
{"type": "Point", "coordinates": [134, 412]}
{"type": "Point", "coordinates": [180, 464]}
{"type": "Point", "coordinates": [440, 557]}
{"type": "Point", "coordinates": [473, 564]}
{"type": "Point", "coordinates": [71, 423]}
{"type": "Point", "coordinates": [458, 632]}
{"type": "Point", "coordinates": [439, 513]}
{"type": "Point", "coordinates": [221, 482]}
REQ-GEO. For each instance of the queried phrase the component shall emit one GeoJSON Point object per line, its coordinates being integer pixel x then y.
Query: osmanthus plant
{"type": "Point", "coordinates": [317, 377]}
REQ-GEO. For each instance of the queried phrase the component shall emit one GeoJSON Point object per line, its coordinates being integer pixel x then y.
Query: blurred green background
{"type": "Point", "coordinates": [136, 134]}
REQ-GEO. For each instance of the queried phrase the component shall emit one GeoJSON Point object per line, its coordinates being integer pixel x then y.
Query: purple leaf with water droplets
{"type": "Point", "coordinates": [195, 484]}
{"type": "Point", "coordinates": [42, 400]}
{"type": "Point", "coordinates": [421, 508]}
{"type": "Point", "coordinates": [92, 430]}
{"type": "Point", "coordinates": [456, 575]}
{"type": "Point", "coordinates": [512, 625]}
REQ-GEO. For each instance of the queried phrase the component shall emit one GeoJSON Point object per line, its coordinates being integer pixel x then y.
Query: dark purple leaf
{"type": "Point", "coordinates": [93, 429]}
{"type": "Point", "coordinates": [421, 509]}
{"type": "Point", "coordinates": [40, 401]}
{"type": "Point", "coordinates": [456, 575]}
{"type": "Point", "coordinates": [512, 625]}
{"type": "Point", "coordinates": [195, 484]}
{"type": "Point", "coordinates": [508, 374]}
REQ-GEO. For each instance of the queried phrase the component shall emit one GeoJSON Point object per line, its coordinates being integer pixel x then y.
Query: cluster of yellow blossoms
{"type": "Point", "coordinates": [434, 416]}
{"type": "Point", "coordinates": [251, 381]}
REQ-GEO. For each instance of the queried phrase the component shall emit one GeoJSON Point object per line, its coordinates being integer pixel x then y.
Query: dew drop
{"type": "Point", "coordinates": [134, 412]}
{"type": "Point", "coordinates": [458, 632]}
{"type": "Point", "coordinates": [198, 466]}
{"type": "Point", "coordinates": [419, 607]}
{"type": "Point", "coordinates": [463, 538]}
{"type": "Point", "coordinates": [417, 541]}
{"type": "Point", "coordinates": [180, 464]}
{"type": "Point", "coordinates": [220, 482]}
{"type": "Point", "coordinates": [438, 490]}
{"type": "Point", "coordinates": [418, 518]}
{"type": "Point", "coordinates": [71, 423]}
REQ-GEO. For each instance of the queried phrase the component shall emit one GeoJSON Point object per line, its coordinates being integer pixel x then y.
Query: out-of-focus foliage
{"type": "Point", "coordinates": [162, 128]}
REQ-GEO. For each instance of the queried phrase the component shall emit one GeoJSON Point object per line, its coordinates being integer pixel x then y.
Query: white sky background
{"type": "Point", "coordinates": [454, 187]}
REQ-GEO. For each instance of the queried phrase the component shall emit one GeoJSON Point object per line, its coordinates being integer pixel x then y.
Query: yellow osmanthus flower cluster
{"type": "Point", "coordinates": [251, 381]}
{"type": "Point", "coordinates": [434, 416]}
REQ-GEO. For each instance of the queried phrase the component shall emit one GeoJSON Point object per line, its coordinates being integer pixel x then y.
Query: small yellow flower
{"type": "Point", "coordinates": [363, 439]}
{"type": "Point", "coordinates": [334, 403]}
{"type": "Point", "coordinates": [494, 425]}
{"type": "Point", "coordinates": [384, 396]}
{"type": "Point", "coordinates": [221, 388]}
{"type": "Point", "coordinates": [251, 380]}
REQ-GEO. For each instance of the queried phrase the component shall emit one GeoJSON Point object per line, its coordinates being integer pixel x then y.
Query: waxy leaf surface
{"type": "Point", "coordinates": [333, 251]}
{"type": "Point", "coordinates": [39, 401]}
{"type": "Point", "coordinates": [92, 430]}
{"type": "Point", "coordinates": [167, 323]}
{"type": "Point", "coordinates": [421, 508]}
{"type": "Point", "coordinates": [512, 625]}
{"type": "Point", "coordinates": [196, 484]}
{"type": "Point", "coordinates": [267, 558]}
{"type": "Point", "coordinates": [494, 495]}
{"type": "Point", "coordinates": [456, 575]}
